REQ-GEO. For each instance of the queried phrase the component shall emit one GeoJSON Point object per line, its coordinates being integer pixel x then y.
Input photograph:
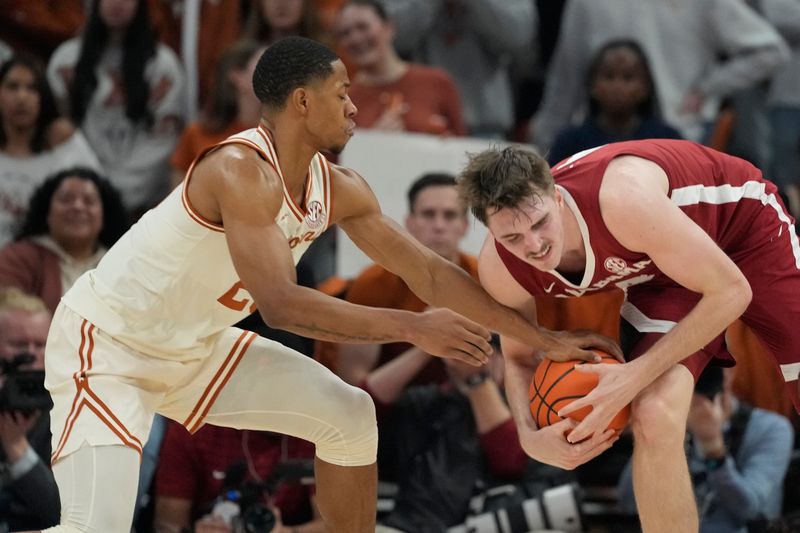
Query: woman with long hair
{"type": "Point", "coordinates": [232, 106]}
{"type": "Point", "coordinates": [271, 20]}
{"type": "Point", "coordinates": [34, 140]}
{"type": "Point", "coordinates": [73, 218]}
{"type": "Point", "coordinates": [125, 90]}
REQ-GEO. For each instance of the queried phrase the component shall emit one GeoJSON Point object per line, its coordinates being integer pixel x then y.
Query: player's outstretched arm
{"type": "Point", "coordinates": [234, 187]}
{"type": "Point", "coordinates": [639, 214]}
{"type": "Point", "coordinates": [433, 279]}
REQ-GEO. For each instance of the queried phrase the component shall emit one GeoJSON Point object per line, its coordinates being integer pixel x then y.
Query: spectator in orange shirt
{"type": "Point", "coordinates": [232, 107]}
{"type": "Point", "coordinates": [271, 20]}
{"type": "Point", "coordinates": [392, 94]}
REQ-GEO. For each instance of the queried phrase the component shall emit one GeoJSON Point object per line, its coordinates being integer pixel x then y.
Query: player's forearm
{"type": "Point", "coordinates": [712, 314]}
{"type": "Point", "coordinates": [518, 378]}
{"type": "Point", "coordinates": [312, 314]}
{"type": "Point", "coordinates": [456, 290]}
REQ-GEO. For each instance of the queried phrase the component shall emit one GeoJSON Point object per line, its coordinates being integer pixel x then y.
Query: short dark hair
{"type": "Point", "coordinates": [288, 64]}
{"type": "Point", "coordinates": [377, 6]}
{"type": "Point", "coordinates": [433, 179]}
{"type": "Point", "coordinates": [649, 107]}
{"type": "Point", "coordinates": [115, 219]}
{"type": "Point", "coordinates": [503, 178]}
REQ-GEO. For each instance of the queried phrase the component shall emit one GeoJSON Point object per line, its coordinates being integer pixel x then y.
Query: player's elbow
{"type": "Point", "coordinates": [279, 314]}
{"type": "Point", "coordinates": [743, 295]}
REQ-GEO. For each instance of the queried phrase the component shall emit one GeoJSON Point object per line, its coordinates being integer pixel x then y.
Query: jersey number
{"type": "Point", "coordinates": [233, 300]}
{"type": "Point", "coordinates": [305, 237]}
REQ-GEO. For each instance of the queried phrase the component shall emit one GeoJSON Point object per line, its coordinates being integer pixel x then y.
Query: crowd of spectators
{"type": "Point", "coordinates": [105, 104]}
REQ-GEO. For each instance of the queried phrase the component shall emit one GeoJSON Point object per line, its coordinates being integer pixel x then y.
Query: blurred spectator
{"type": "Point", "coordinates": [5, 52]}
{"type": "Point", "coordinates": [475, 41]}
{"type": "Point", "coordinates": [683, 40]}
{"type": "Point", "coordinates": [443, 443]}
{"type": "Point", "coordinates": [738, 456]}
{"type": "Point", "coordinates": [185, 26]}
{"type": "Point", "coordinates": [73, 218]}
{"type": "Point", "coordinates": [34, 140]}
{"type": "Point", "coordinates": [232, 107]}
{"type": "Point", "coordinates": [438, 219]}
{"type": "Point", "coordinates": [390, 93]}
{"type": "Point", "coordinates": [28, 492]}
{"type": "Point", "coordinates": [125, 91]}
{"type": "Point", "coordinates": [192, 472]}
{"type": "Point", "coordinates": [37, 27]}
{"type": "Point", "coordinates": [622, 103]}
{"type": "Point", "coordinates": [271, 20]}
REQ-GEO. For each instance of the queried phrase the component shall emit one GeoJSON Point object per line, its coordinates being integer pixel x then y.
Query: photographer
{"type": "Point", "coordinates": [28, 493]}
{"type": "Point", "coordinates": [195, 470]}
{"type": "Point", "coordinates": [737, 455]}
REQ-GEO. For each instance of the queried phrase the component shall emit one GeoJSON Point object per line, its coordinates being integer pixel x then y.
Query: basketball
{"type": "Point", "coordinates": [555, 385]}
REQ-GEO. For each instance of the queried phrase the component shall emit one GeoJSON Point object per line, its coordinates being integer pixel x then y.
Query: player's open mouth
{"type": "Point", "coordinates": [541, 254]}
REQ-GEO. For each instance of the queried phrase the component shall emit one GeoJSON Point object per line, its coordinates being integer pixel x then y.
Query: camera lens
{"type": "Point", "coordinates": [258, 519]}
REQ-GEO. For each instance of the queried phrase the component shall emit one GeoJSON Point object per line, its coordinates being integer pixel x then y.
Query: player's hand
{"type": "Point", "coordinates": [576, 345]}
{"type": "Point", "coordinates": [14, 428]}
{"type": "Point", "coordinates": [548, 445]}
{"type": "Point", "coordinates": [617, 386]}
{"type": "Point", "coordinates": [444, 333]}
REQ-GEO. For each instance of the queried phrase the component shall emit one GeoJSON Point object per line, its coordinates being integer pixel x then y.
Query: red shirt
{"type": "Point", "coordinates": [720, 193]}
{"type": "Point", "coordinates": [192, 467]}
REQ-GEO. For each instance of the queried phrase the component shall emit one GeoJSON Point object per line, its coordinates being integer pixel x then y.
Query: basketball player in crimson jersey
{"type": "Point", "coordinates": [149, 329]}
{"type": "Point", "coordinates": [694, 237]}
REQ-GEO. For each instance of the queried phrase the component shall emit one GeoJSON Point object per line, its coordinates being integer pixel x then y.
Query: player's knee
{"type": "Point", "coordinates": [351, 438]}
{"type": "Point", "coordinates": [657, 422]}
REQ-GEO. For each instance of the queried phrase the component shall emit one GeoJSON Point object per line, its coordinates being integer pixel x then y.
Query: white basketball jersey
{"type": "Point", "coordinates": [169, 286]}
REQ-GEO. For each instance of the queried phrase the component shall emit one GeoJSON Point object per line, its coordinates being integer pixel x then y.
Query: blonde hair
{"type": "Point", "coordinates": [13, 299]}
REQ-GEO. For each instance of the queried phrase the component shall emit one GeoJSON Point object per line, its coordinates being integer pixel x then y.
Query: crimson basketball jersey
{"type": "Point", "coordinates": [723, 195]}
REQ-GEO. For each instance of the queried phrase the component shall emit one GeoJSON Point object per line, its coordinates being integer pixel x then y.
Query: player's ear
{"type": "Point", "coordinates": [300, 100]}
{"type": "Point", "coordinates": [558, 197]}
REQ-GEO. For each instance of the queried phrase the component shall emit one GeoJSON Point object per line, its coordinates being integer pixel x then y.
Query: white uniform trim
{"type": "Point", "coordinates": [643, 323]}
{"type": "Point", "coordinates": [724, 194]}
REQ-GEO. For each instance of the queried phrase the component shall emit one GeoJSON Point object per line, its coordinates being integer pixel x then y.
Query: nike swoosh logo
{"type": "Point", "coordinates": [550, 288]}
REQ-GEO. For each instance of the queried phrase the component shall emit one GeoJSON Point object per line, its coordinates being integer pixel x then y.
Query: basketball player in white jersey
{"type": "Point", "coordinates": [149, 330]}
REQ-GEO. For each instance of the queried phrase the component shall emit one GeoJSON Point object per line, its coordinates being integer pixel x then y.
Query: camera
{"type": "Point", "coordinates": [22, 390]}
{"type": "Point", "coordinates": [242, 502]}
{"type": "Point", "coordinates": [510, 509]}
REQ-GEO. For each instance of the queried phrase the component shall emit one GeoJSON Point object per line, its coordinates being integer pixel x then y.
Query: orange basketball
{"type": "Point", "coordinates": [555, 385]}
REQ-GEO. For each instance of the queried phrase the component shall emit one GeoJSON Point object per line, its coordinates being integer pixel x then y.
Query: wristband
{"type": "Point", "coordinates": [476, 379]}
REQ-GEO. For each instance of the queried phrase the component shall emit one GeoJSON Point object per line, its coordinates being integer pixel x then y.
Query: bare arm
{"type": "Point", "coordinates": [434, 279]}
{"type": "Point", "coordinates": [234, 186]}
{"type": "Point", "coordinates": [172, 514]}
{"type": "Point", "coordinates": [638, 212]}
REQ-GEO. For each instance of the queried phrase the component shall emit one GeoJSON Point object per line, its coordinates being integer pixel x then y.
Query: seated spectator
{"type": "Point", "coordinates": [738, 456]}
{"type": "Point", "coordinates": [125, 91]}
{"type": "Point", "coordinates": [37, 28]}
{"type": "Point", "coordinates": [622, 103]}
{"type": "Point", "coordinates": [73, 218]}
{"type": "Point", "coordinates": [232, 107]}
{"type": "Point", "coordinates": [34, 140]}
{"type": "Point", "coordinates": [270, 20]}
{"type": "Point", "coordinates": [28, 492]}
{"type": "Point", "coordinates": [443, 443]}
{"type": "Point", "coordinates": [392, 94]}
{"type": "Point", "coordinates": [475, 41]}
{"type": "Point", "coordinates": [438, 219]}
{"type": "Point", "coordinates": [192, 469]}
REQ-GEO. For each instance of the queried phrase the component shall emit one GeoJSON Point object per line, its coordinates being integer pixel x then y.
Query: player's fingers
{"type": "Point", "coordinates": [586, 428]}
{"type": "Point", "coordinates": [476, 329]}
{"type": "Point", "coordinates": [465, 355]}
{"type": "Point", "coordinates": [607, 345]}
{"type": "Point", "coordinates": [480, 344]}
{"type": "Point", "coordinates": [585, 355]}
{"type": "Point", "coordinates": [575, 405]}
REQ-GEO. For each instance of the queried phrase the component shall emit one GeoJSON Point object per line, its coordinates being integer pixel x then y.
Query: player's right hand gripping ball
{"type": "Point", "coordinates": [556, 384]}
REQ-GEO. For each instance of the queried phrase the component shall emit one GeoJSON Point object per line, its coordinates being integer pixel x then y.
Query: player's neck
{"type": "Point", "coordinates": [573, 257]}
{"type": "Point", "coordinates": [294, 153]}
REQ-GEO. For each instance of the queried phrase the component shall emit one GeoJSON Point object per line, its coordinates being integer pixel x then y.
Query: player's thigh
{"type": "Point", "coordinates": [651, 312]}
{"type": "Point", "coordinates": [98, 489]}
{"type": "Point", "coordinates": [254, 383]}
